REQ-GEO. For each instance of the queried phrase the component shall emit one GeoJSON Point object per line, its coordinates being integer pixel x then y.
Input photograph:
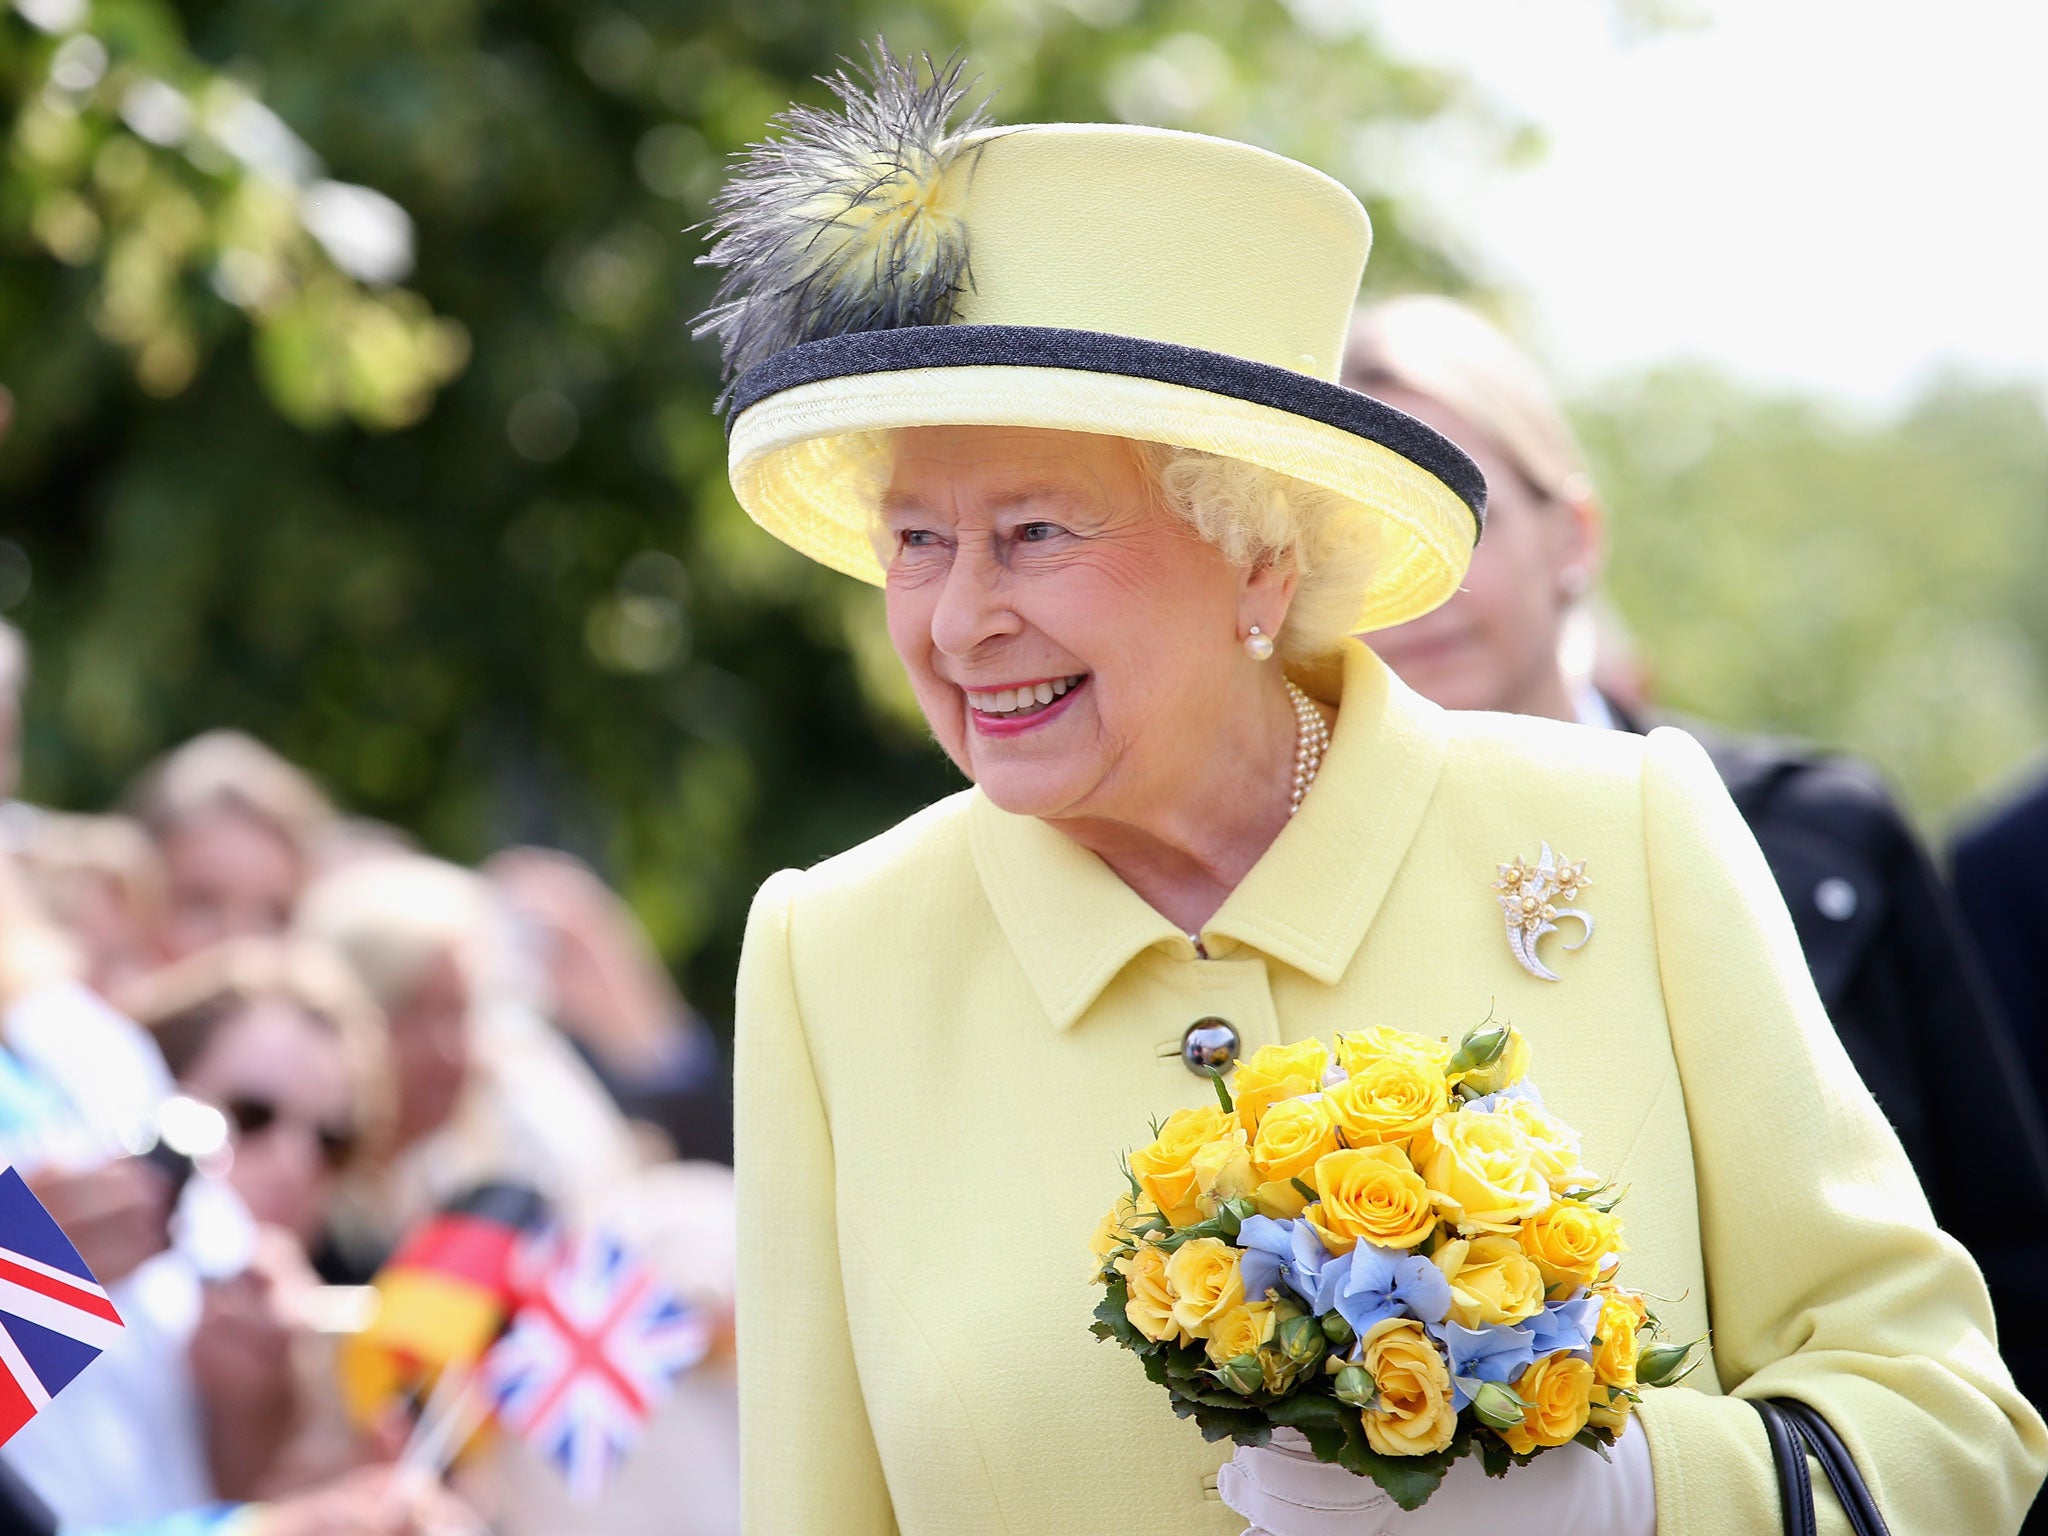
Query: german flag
{"type": "Point", "coordinates": [444, 1297]}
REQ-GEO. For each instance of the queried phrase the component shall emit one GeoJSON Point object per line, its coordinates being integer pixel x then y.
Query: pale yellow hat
{"type": "Point", "coordinates": [884, 272]}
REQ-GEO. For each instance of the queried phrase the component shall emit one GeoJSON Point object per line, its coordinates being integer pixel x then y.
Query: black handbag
{"type": "Point", "coordinates": [1795, 1431]}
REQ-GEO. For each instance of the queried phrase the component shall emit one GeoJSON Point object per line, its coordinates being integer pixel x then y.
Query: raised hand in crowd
{"type": "Point", "coordinates": [377, 1501]}
{"type": "Point", "coordinates": [116, 1214]}
{"type": "Point", "coordinates": [607, 985]}
{"type": "Point", "coordinates": [241, 1360]}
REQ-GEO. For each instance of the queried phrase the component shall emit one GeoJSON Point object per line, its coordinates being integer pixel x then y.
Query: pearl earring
{"type": "Point", "coordinates": [1257, 646]}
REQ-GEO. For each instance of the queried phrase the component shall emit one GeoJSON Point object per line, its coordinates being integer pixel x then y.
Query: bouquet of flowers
{"type": "Point", "coordinates": [1388, 1245]}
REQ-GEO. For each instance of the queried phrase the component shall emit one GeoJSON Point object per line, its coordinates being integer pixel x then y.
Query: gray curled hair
{"type": "Point", "coordinates": [1258, 516]}
{"type": "Point", "coordinates": [1254, 515]}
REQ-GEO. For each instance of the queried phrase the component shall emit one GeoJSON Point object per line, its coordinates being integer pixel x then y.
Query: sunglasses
{"type": "Point", "coordinates": [253, 1117]}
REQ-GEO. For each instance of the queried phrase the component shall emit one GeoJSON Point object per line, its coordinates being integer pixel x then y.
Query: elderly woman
{"type": "Point", "coordinates": [1068, 394]}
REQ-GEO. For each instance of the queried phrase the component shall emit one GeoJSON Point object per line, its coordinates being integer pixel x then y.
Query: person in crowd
{"type": "Point", "coordinates": [1997, 862]}
{"type": "Point", "coordinates": [1878, 928]}
{"type": "Point", "coordinates": [240, 831]}
{"type": "Point", "coordinates": [1126, 522]}
{"type": "Point", "coordinates": [102, 881]}
{"type": "Point", "coordinates": [604, 986]}
{"type": "Point", "coordinates": [283, 1042]}
{"type": "Point", "coordinates": [484, 1087]}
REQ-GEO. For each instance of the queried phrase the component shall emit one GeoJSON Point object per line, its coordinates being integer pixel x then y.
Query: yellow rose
{"type": "Point", "coordinates": [1372, 1193]}
{"type": "Point", "coordinates": [1480, 1170]}
{"type": "Point", "coordinates": [1558, 1389]}
{"type": "Point", "coordinates": [1150, 1307]}
{"type": "Point", "coordinates": [1114, 1230]}
{"type": "Point", "coordinates": [1223, 1171]}
{"type": "Point", "coordinates": [1361, 1046]}
{"type": "Point", "coordinates": [1206, 1284]}
{"type": "Point", "coordinates": [1388, 1099]}
{"type": "Point", "coordinates": [1616, 1345]}
{"type": "Point", "coordinates": [1492, 1281]}
{"type": "Point", "coordinates": [1167, 1168]}
{"type": "Point", "coordinates": [1292, 1135]}
{"type": "Point", "coordinates": [1412, 1383]}
{"type": "Point", "coordinates": [1609, 1409]}
{"type": "Point", "coordinates": [1553, 1146]}
{"type": "Point", "coordinates": [1274, 1073]}
{"type": "Point", "coordinates": [1241, 1331]}
{"type": "Point", "coordinates": [1280, 1199]}
{"type": "Point", "coordinates": [1570, 1242]}
{"type": "Point", "coordinates": [1506, 1069]}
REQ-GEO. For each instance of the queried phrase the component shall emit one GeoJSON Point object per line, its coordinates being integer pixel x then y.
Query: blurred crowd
{"type": "Point", "coordinates": [379, 1031]}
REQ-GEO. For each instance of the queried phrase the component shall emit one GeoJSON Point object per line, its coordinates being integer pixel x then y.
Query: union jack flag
{"type": "Point", "coordinates": [589, 1357]}
{"type": "Point", "coordinates": [54, 1317]}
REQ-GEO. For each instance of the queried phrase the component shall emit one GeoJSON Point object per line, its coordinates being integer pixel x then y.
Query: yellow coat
{"type": "Point", "coordinates": [947, 1035]}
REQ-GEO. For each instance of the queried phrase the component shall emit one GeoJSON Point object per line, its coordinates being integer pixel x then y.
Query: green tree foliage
{"type": "Point", "coordinates": [1874, 585]}
{"type": "Point", "coordinates": [525, 606]}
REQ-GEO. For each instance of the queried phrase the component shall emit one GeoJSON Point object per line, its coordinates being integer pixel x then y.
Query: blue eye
{"type": "Point", "coordinates": [916, 538]}
{"type": "Point", "coordinates": [1038, 533]}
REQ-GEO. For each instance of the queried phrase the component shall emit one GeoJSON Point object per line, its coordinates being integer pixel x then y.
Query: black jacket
{"type": "Point", "coordinates": [2001, 867]}
{"type": "Point", "coordinates": [1906, 993]}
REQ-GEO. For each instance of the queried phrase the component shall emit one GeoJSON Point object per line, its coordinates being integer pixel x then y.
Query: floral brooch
{"type": "Point", "coordinates": [1534, 898]}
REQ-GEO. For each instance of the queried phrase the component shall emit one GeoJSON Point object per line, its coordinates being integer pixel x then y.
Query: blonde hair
{"type": "Point", "coordinates": [1254, 515]}
{"type": "Point", "coordinates": [184, 1005]}
{"type": "Point", "coordinates": [66, 850]}
{"type": "Point", "coordinates": [34, 951]}
{"type": "Point", "coordinates": [227, 770]}
{"type": "Point", "coordinates": [1440, 348]}
{"type": "Point", "coordinates": [391, 916]}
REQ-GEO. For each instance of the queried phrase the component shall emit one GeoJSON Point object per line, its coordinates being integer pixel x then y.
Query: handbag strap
{"type": "Point", "coordinates": [1795, 1430]}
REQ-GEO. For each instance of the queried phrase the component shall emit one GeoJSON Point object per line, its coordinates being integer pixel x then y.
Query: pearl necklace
{"type": "Point", "coordinates": [1311, 741]}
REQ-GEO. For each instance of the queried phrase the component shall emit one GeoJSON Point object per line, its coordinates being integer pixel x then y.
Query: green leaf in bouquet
{"type": "Point", "coordinates": [1319, 1419]}
{"type": "Point", "coordinates": [1602, 1197]}
{"type": "Point", "coordinates": [1306, 1190]}
{"type": "Point", "coordinates": [1407, 1480]}
{"type": "Point", "coordinates": [1123, 1163]}
{"type": "Point", "coordinates": [1228, 1420]}
{"type": "Point", "coordinates": [1495, 1457]}
{"type": "Point", "coordinates": [1596, 1440]}
{"type": "Point", "coordinates": [1112, 1321]}
{"type": "Point", "coordinates": [1222, 1092]}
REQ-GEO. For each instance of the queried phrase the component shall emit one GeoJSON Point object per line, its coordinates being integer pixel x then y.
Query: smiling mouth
{"type": "Point", "coordinates": [1025, 700]}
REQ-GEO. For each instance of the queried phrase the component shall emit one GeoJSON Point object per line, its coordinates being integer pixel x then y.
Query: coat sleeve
{"type": "Point", "coordinates": [1827, 1279]}
{"type": "Point", "coordinates": [807, 1455]}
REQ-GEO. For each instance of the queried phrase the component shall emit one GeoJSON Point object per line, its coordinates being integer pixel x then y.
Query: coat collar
{"type": "Point", "coordinates": [1307, 902]}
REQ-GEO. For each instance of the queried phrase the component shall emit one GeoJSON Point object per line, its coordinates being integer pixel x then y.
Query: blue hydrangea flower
{"type": "Point", "coordinates": [1498, 1352]}
{"type": "Point", "coordinates": [1280, 1253]}
{"type": "Point", "coordinates": [1369, 1285]}
{"type": "Point", "coordinates": [1567, 1325]}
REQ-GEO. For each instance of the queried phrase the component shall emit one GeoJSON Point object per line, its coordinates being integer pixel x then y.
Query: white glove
{"type": "Point", "coordinates": [1284, 1491]}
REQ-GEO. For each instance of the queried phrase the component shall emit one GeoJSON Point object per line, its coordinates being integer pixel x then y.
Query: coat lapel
{"type": "Point", "coordinates": [1307, 903]}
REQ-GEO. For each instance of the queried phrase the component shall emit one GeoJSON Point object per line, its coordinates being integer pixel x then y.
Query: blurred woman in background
{"type": "Point", "coordinates": [101, 880]}
{"type": "Point", "coordinates": [240, 831]}
{"type": "Point", "coordinates": [1878, 928]}
{"type": "Point", "coordinates": [484, 1087]}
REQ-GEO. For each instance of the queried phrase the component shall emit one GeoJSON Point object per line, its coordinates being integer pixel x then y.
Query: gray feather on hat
{"type": "Point", "coordinates": [848, 222]}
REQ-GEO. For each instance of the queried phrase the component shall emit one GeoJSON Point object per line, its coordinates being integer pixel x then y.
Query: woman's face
{"type": "Point", "coordinates": [231, 875]}
{"type": "Point", "coordinates": [282, 1079]}
{"type": "Point", "coordinates": [430, 1047]}
{"type": "Point", "coordinates": [1067, 635]}
{"type": "Point", "coordinates": [1494, 645]}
